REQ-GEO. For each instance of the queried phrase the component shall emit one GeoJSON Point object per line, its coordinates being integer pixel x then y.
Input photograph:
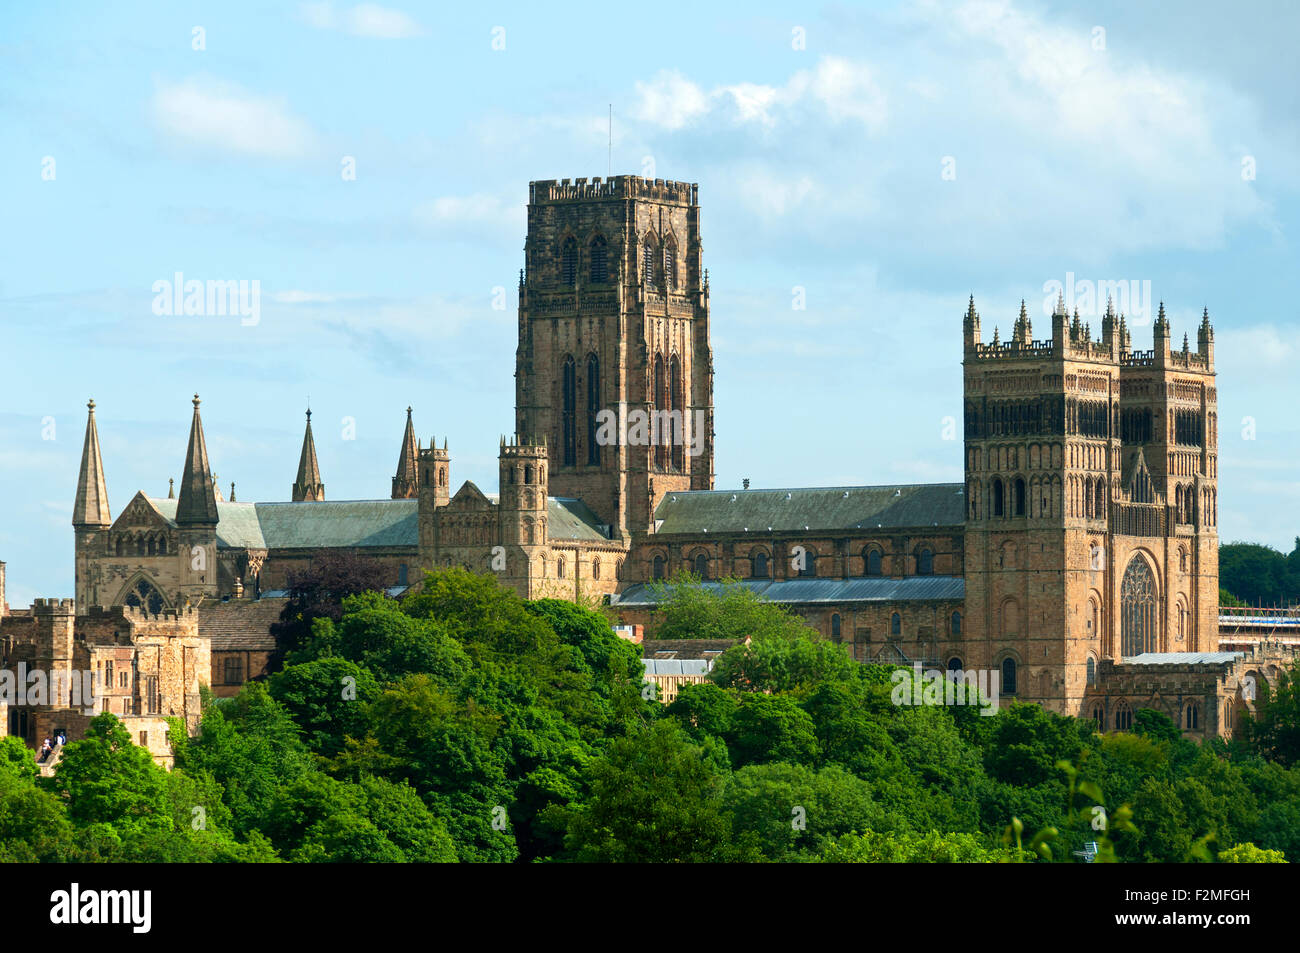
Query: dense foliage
{"type": "Point", "coordinates": [464, 723]}
{"type": "Point", "coordinates": [1256, 575]}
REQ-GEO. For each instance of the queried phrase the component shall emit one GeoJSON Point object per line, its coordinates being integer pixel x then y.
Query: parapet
{"type": "Point", "coordinates": [54, 607]}
{"type": "Point", "coordinates": [618, 187]}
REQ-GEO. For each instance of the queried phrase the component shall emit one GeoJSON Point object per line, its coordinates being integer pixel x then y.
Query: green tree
{"type": "Point", "coordinates": [655, 798]}
{"type": "Point", "coordinates": [689, 609]}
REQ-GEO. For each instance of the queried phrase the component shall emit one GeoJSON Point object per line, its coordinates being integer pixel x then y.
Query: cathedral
{"type": "Point", "coordinates": [1077, 559]}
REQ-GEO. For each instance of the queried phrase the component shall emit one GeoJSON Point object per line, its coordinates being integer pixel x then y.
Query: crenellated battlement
{"type": "Point", "coordinates": [54, 607]}
{"type": "Point", "coordinates": [532, 448]}
{"type": "Point", "coordinates": [617, 187]}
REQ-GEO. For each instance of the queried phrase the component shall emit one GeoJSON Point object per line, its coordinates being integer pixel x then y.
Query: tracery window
{"type": "Point", "coordinates": [1138, 609]}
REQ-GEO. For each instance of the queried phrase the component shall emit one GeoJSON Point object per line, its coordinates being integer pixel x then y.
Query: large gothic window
{"type": "Point", "coordinates": [677, 417]}
{"type": "Point", "coordinates": [570, 387]}
{"type": "Point", "coordinates": [593, 408]}
{"type": "Point", "coordinates": [143, 594]}
{"type": "Point", "coordinates": [660, 403]}
{"type": "Point", "coordinates": [670, 266]}
{"type": "Point", "coordinates": [1138, 609]}
{"type": "Point", "coordinates": [995, 491]}
{"type": "Point", "coordinates": [599, 255]}
{"type": "Point", "coordinates": [569, 262]}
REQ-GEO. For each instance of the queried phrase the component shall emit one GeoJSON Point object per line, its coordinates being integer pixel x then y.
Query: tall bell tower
{"type": "Point", "coordinates": [614, 367]}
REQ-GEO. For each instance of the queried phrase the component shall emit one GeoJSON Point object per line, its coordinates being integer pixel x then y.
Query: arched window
{"type": "Point", "coordinates": [873, 562]}
{"type": "Point", "coordinates": [1099, 716]}
{"type": "Point", "coordinates": [955, 664]}
{"type": "Point", "coordinates": [1020, 496]}
{"type": "Point", "coordinates": [593, 409]}
{"type": "Point", "coordinates": [569, 262]}
{"type": "Point", "coordinates": [670, 265]}
{"type": "Point", "coordinates": [702, 565]}
{"type": "Point", "coordinates": [995, 491]}
{"type": "Point", "coordinates": [1192, 716]}
{"type": "Point", "coordinates": [144, 595]}
{"type": "Point", "coordinates": [759, 561]}
{"type": "Point", "coordinates": [1099, 507]}
{"type": "Point", "coordinates": [1138, 609]}
{"type": "Point", "coordinates": [117, 548]}
{"type": "Point", "coordinates": [895, 624]}
{"type": "Point", "coordinates": [162, 545]}
{"type": "Point", "coordinates": [570, 397]}
{"type": "Point", "coordinates": [599, 257]}
{"type": "Point", "coordinates": [1123, 716]}
{"type": "Point", "coordinates": [153, 546]}
{"type": "Point", "coordinates": [677, 420]}
{"type": "Point", "coordinates": [559, 567]}
{"type": "Point", "coordinates": [1092, 671]}
{"type": "Point", "coordinates": [1009, 675]}
{"type": "Point", "coordinates": [835, 628]}
{"type": "Point", "coordinates": [595, 569]}
{"type": "Point", "coordinates": [528, 475]}
{"type": "Point", "coordinates": [956, 625]}
{"type": "Point", "coordinates": [660, 404]}
{"type": "Point", "coordinates": [925, 563]}
{"type": "Point", "coordinates": [657, 571]}
{"type": "Point", "coordinates": [648, 261]}
{"type": "Point", "coordinates": [809, 567]}
{"type": "Point", "coordinates": [139, 546]}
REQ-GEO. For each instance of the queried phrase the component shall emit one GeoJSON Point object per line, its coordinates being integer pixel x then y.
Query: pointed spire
{"type": "Point", "coordinates": [1060, 303]}
{"type": "Point", "coordinates": [1186, 346]}
{"type": "Point", "coordinates": [406, 484]}
{"type": "Point", "coordinates": [91, 506]}
{"type": "Point", "coordinates": [308, 488]}
{"type": "Point", "coordinates": [171, 488]}
{"type": "Point", "coordinates": [232, 491]}
{"type": "Point", "coordinates": [197, 503]}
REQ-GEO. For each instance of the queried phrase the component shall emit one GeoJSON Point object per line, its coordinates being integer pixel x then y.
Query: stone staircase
{"type": "Point", "coordinates": [50, 763]}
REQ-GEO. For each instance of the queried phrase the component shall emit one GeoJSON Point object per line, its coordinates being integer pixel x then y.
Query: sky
{"type": "Point", "coordinates": [862, 170]}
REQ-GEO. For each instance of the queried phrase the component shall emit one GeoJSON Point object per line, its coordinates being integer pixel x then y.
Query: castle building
{"type": "Point", "coordinates": [1077, 558]}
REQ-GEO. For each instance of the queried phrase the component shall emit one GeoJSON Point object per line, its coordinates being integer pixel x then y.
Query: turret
{"type": "Point", "coordinates": [308, 487]}
{"type": "Point", "coordinates": [970, 327]}
{"type": "Point", "coordinates": [1060, 325]}
{"type": "Point", "coordinates": [524, 491]}
{"type": "Point", "coordinates": [1160, 335]}
{"type": "Point", "coordinates": [434, 473]}
{"type": "Point", "coordinates": [1205, 339]}
{"type": "Point", "coordinates": [1023, 333]}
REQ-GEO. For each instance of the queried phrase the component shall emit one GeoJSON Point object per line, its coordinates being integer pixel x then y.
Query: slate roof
{"type": "Point", "coordinates": [240, 625]}
{"type": "Point", "coordinates": [686, 648]}
{"type": "Point", "coordinates": [1182, 658]}
{"type": "Point", "coordinates": [354, 523]}
{"type": "Point", "coordinates": [819, 508]}
{"type": "Point", "coordinates": [812, 590]}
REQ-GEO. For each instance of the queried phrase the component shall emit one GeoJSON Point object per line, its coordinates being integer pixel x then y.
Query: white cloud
{"type": "Point", "coordinates": [366, 19]}
{"type": "Point", "coordinates": [213, 114]}
{"type": "Point", "coordinates": [670, 100]}
{"type": "Point", "coordinates": [844, 89]}
{"type": "Point", "coordinates": [480, 213]}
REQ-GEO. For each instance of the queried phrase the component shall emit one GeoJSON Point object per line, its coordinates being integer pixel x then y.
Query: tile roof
{"type": "Point", "coordinates": [812, 590]}
{"type": "Point", "coordinates": [239, 624]}
{"type": "Point", "coordinates": [819, 508]}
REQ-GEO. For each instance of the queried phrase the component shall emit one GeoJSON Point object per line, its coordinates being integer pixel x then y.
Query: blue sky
{"type": "Point", "coordinates": [1098, 140]}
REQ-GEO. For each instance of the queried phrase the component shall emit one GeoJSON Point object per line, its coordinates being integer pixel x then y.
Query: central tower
{"type": "Point", "coordinates": [614, 366]}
